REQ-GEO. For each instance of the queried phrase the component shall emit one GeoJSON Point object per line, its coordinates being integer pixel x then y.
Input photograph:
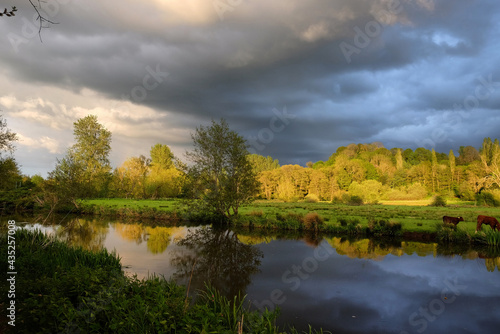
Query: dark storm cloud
{"type": "Point", "coordinates": [419, 60]}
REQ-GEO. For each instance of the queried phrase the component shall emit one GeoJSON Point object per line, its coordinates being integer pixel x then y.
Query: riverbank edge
{"type": "Point", "coordinates": [298, 217]}
{"type": "Point", "coordinates": [60, 288]}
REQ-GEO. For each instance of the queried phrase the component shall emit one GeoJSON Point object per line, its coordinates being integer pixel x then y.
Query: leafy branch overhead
{"type": "Point", "coordinates": [9, 13]}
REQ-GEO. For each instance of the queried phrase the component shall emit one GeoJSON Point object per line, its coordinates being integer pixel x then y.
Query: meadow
{"type": "Point", "coordinates": [413, 216]}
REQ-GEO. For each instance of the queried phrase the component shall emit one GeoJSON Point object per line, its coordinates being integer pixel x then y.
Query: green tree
{"type": "Point", "coordinates": [162, 156]}
{"type": "Point", "coordinates": [85, 169]}
{"type": "Point", "coordinates": [129, 180]}
{"type": "Point", "coordinates": [221, 167]}
{"type": "Point", "coordinates": [91, 152]}
{"type": "Point", "coordinates": [490, 158]}
{"type": "Point", "coordinates": [64, 185]}
{"type": "Point", "coordinates": [467, 154]}
{"type": "Point", "coordinates": [434, 168]}
{"type": "Point", "coordinates": [451, 159]}
{"type": "Point", "coordinates": [9, 173]}
{"type": "Point", "coordinates": [166, 177]}
{"type": "Point", "coordinates": [9, 169]}
{"type": "Point", "coordinates": [399, 159]}
{"type": "Point", "coordinates": [7, 137]}
{"type": "Point", "coordinates": [261, 163]}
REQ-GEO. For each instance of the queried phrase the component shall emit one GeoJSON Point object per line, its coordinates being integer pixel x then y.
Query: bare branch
{"type": "Point", "coordinates": [42, 19]}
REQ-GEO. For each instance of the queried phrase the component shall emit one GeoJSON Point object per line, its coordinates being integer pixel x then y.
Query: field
{"type": "Point", "coordinates": [414, 216]}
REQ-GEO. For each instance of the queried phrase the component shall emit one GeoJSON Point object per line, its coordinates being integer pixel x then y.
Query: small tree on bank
{"type": "Point", "coordinates": [221, 170]}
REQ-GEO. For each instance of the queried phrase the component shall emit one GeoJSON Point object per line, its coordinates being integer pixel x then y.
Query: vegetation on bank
{"type": "Point", "coordinates": [400, 221]}
{"type": "Point", "coordinates": [60, 289]}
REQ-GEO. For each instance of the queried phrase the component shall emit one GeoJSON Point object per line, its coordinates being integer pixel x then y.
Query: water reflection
{"type": "Point", "coordinates": [86, 233]}
{"type": "Point", "coordinates": [216, 257]}
{"type": "Point", "coordinates": [340, 284]}
{"type": "Point", "coordinates": [157, 238]}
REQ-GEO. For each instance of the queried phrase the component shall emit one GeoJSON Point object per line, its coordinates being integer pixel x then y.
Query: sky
{"type": "Point", "coordinates": [297, 79]}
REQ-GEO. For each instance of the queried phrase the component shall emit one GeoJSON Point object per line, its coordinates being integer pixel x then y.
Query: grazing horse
{"type": "Point", "coordinates": [452, 220]}
{"type": "Point", "coordinates": [493, 222]}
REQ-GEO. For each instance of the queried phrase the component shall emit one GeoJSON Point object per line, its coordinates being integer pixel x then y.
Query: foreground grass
{"type": "Point", "coordinates": [60, 289]}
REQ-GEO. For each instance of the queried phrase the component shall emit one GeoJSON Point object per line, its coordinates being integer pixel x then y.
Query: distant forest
{"type": "Point", "coordinates": [373, 172]}
{"type": "Point", "coordinates": [366, 172]}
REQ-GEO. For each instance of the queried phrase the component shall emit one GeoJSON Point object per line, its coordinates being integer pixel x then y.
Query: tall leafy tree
{"type": "Point", "coordinates": [166, 176]}
{"type": "Point", "coordinates": [261, 163]}
{"type": "Point", "coordinates": [129, 180]}
{"type": "Point", "coordinates": [9, 169]}
{"type": "Point", "coordinates": [490, 159]}
{"type": "Point", "coordinates": [451, 158]}
{"type": "Point", "coordinates": [221, 167]}
{"type": "Point", "coordinates": [7, 137]}
{"type": "Point", "coordinates": [162, 156]}
{"type": "Point", "coordinates": [87, 159]}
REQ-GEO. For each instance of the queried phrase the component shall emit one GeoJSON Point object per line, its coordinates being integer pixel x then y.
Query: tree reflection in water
{"type": "Point", "coordinates": [216, 257]}
{"type": "Point", "coordinates": [88, 234]}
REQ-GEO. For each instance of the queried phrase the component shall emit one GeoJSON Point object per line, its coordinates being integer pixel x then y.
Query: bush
{"type": "Point", "coordinates": [369, 190]}
{"type": "Point", "coordinates": [486, 199]}
{"type": "Point", "coordinates": [413, 192]}
{"type": "Point", "coordinates": [383, 227]}
{"type": "Point", "coordinates": [438, 201]}
{"type": "Point", "coordinates": [355, 200]}
{"type": "Point", "coordinates": [447, 234]}
{"type": "Point", "coordinates": [311, 198]}
{"type": "Point", "coordinates": [312, 221]}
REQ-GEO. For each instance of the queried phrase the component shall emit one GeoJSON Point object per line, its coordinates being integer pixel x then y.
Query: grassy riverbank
{"type": "Point", "coordinates": [60, 289]}
{"type": "Point", "coordinates": [380, 219]}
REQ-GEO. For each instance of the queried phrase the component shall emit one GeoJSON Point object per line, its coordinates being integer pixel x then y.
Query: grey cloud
{"type": "Point", "coordinates": [425, 58]}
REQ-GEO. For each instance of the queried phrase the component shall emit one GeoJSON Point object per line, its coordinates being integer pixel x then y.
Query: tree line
{"type": "Point", "coordinates": [373, 172]}
{"type": "Point", "coordinates": [223, 175]}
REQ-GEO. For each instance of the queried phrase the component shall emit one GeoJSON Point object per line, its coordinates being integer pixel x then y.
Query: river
{"type": "Point", "coordinates": [342, 285]}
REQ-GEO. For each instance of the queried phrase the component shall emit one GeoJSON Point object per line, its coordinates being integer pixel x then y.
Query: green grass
{"type": "Point", "coordinates": [412, 216]}
{"type": "Point", "coordinates": [165, 205]}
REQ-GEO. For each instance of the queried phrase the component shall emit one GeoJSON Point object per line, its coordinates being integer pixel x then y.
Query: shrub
{"type": "Point", "coordinates": [486, 199]}
{"type": "Point", "coordinates": [311, 198]}
{"type": "Point", "coordinates": [312, 221]}
{"type": "Point", "coordinates": [383, 227]}
{"type": "Point", "coordinates": [351, 199]}
{"type": "Point", "coordinates": [438, 201]}
{"type": "Point", "coordinates": [447, 234]}
{"type": "Point", "coordinates": [413, 192]}
{"type": "Point", "coordinates": [369, 190]}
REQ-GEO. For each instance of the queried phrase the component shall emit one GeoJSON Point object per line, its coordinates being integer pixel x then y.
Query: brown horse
{"type": "Point", "coordinates": [492, 221]}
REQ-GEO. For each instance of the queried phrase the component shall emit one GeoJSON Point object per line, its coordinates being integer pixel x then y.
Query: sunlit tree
{"type": "Point", "coordinates": [221, 167]}
{"type": "Point", "coordinates": [86, 166]}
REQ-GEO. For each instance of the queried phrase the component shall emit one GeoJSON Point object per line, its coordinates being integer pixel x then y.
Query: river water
{"type": "Point", "coordinates": [341, 285]}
